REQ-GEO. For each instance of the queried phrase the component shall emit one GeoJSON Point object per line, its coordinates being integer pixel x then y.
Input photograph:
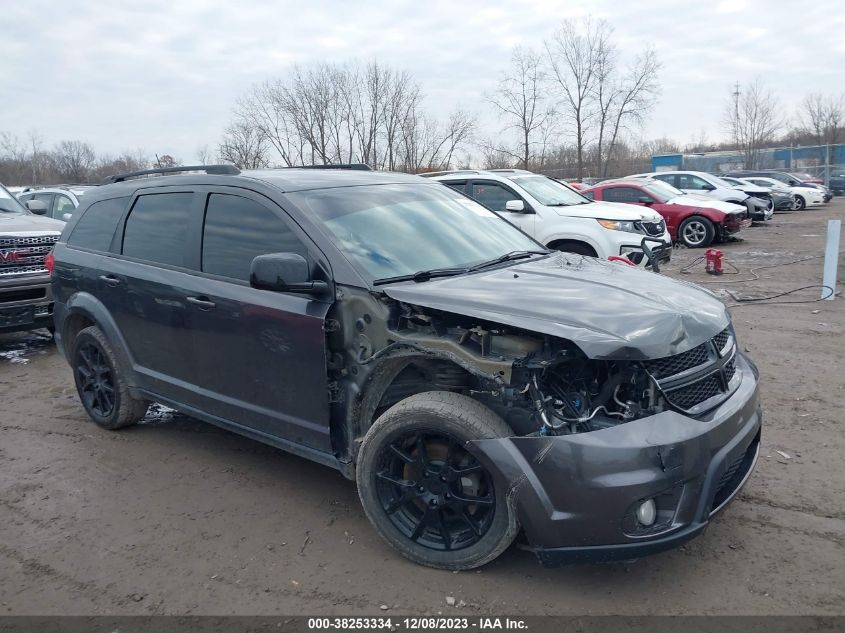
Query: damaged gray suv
{"type": "Point", "coordinates": [472, 383]}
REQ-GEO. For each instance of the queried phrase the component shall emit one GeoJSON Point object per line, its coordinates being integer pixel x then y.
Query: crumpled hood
{"type": "Point", "coordinates": [610, 310]}
{"type": "Point", "coordinates": [696, 200]}
{"type": "Point", "coordinates": [20, 223]}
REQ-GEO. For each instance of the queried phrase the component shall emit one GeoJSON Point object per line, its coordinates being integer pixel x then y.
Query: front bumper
{"type": "Point", "coordinates": [574, 495]}
{"type": "Point", "coordinates": [26, 303]}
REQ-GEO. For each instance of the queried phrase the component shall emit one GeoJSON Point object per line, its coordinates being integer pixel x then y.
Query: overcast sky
{"type": "Point", "coordinates": [162, 75]}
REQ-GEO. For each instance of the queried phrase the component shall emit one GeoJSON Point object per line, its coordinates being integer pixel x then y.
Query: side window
{"type": "Point", "coordinates": [61, 205]}
{"type": "Point", "coordinates": [688, 181]}
{"type": "Point", "coordinates": [237, 230]}
{"type": "Point", "coordinates": [589, 194]}
{"type": "Point", "coordinates": [669, 178]}
{"type": "Point", "coordinates": [27, 196]}
{"type": "Point", "coordinates": [96, 227]}
{"type": "Point", "coordinates": [157, 228]}
{"type": "Point", "coordinates": [492, 195]}
{"type": "Point", "coordinates": [457, 185]}
{"type": "Point", "coordinates": [622, 194]}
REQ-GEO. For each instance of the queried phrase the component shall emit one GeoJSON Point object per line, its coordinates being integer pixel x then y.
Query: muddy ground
{"type": "Point", "coordinates": [177, 517]}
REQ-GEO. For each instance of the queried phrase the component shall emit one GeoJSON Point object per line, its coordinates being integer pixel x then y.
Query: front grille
{"type": "Point", "coordinates": [690, 378]}
{"type": "Point", "coordinates": [730, 369]}
{"type": "Point", "coordinates": [654, 228]}
{"type": "Point", "coordinates": [672, 365]}
{"type": "Point", "coordinates": [721, 339]}
{"type": "Point", "coordinates": [24, 255]}
{"type": "Point", "coordinates": [694, 394]}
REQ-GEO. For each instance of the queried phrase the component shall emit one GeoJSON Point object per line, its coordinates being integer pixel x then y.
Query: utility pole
{"type": "Point", "coordinates": [736, 119]}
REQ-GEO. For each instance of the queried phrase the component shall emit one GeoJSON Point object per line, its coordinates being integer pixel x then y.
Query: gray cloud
{"type": "Point", "coordinates": [163, 75]}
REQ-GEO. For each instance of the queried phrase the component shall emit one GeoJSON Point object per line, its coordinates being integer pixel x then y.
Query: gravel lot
{"type": "Point", "coordinates": [177, 517]}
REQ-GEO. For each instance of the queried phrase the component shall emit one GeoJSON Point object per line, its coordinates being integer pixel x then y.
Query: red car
{"type": "Point", "coordinates": [688, 222]}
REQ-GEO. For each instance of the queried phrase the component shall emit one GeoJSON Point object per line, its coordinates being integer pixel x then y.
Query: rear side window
{"type": "Point", "coordinates": [95, 228]}
{"type": "Point", "coordinates": [237, 230]}
{"type": "Point", "coordinates": [157, 228]}
{"type": "Point", "coordinates": [622, 194]}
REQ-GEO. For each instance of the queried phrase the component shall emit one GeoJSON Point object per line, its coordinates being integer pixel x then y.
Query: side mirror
{"type": "Point", "coordinates": [517, 206]}
{"type": "Point", "coordinates": [67, 216]}
{"type": "Point", "coordinates": [708, 187]}
{"type": "Point", "coordinates": [284, 272]}
{"type": "Point", "coordinates": [645, 200]}
{"type": "Point", "coordinates": [37, 207]}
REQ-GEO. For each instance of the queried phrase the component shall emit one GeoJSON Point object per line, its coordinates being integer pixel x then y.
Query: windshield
{"type": "Point", "coordinates": [721, 183]}
{"type": "Point", "coordinates": [393, 230]}
{"type": "Point", "coordinates": [549, 192]}
{"type": "Point", "coordinates": [8, 202]}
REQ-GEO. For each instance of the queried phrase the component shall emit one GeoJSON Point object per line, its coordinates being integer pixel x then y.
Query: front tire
{"type": "Point", "coordinates": [802, 203]}
{"type": "Point", "coordinates": [428, 497]}
{"type": "Point", "coordinates": [696, 232]}
{"type": "Point", "coordinates": [100, 382]}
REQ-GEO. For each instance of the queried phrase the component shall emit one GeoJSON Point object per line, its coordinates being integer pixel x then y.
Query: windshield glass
{"type": "Point", "coordinates": [392, 230]}
{"type": "Point", "coordinates": [721, 183]}
{"type": "Point", "coordinates": [8, 202]}
{"type": "Point", "coordinates": [549, 192]}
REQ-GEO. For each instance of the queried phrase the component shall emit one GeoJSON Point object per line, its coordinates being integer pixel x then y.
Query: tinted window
{"type": "Point", "coordinates": [96, 226]}
{"type": "Point", "coordinates": [492, 195]}
{"type": "Point", "coordinates": [460, 185]}
{"type": "Point", "coordinates": [590, 195]}
{"type": "Point", "coordinates": [157, 228]}
{"type": "Point", "coordinates": [237, 230]}
{"type": "Point", "coordinates": [622, 194]}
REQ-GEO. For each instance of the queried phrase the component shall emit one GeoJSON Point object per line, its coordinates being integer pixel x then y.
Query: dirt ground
{"type": "Point", "coordinates": [177, 517]}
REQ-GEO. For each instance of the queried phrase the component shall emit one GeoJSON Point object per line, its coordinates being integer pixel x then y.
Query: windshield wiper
{"type": "Point", "coordinates": [422, 275]}
{"type": "Point", "coordinates": [507, 257]}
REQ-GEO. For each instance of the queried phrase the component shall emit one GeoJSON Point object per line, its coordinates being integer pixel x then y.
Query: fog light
{"type": "Point", "coordinates": [647, 512]}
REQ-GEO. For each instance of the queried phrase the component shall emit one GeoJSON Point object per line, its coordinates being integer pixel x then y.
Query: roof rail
{"type": "Point", "coordinates": [229, 170]}
{"type": "Point", "coordinates": [354, 166]}
{"type": "Point", "coordinates": [429, 174]}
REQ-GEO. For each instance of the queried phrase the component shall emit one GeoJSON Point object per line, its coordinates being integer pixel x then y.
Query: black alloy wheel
{"type": "Point", "coordinates": [96, 383]}
{"type": "Point", "coordinates": [433, 491]}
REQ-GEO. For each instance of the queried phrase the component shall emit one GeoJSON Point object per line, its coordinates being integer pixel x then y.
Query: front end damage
{"type": "Point", "coordinates": [594, 439]}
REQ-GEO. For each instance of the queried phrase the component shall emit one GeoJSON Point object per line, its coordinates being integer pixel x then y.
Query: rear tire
{"type": "Point", "coordinates": [696, 232]}
{"type": "Point", "coordinates": [100, 382]}
{"type": "Point", "coordinates": [429, 498]}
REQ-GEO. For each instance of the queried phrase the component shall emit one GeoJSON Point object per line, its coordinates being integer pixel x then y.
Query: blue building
{"type": "Point", "coordinates": [812, 159]}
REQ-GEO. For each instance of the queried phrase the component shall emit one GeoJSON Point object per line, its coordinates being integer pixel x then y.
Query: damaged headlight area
{"type": "Point", "coordinates": [543, 385]}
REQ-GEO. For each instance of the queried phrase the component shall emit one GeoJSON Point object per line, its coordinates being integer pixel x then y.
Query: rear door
{"type": "Point", "coordinates": [148, 284]}
{"type": "Point", "coordinates": [261, 355]}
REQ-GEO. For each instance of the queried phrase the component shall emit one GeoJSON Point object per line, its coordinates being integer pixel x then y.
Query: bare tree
{"type": "Point", "coordinates": [204, 155]}
{"type": "Point", "coordinates": [520, 99]}
{"type": "Point", "coordinates": [244, 146]}
{"type": "Point", "coordinates": [753, 120]}
{"type": "Point", "coordinates": [74, 160]}
{"type": "Point", "coordinates": [823, 116]}
{"type": "Point", "coordinates": [629, 99]}
{"type": "Point", "coordinates": [575, 55]}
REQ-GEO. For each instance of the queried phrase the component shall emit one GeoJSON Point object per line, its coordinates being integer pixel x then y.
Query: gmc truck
{"type": "Point", "coordinates": [26, 238]}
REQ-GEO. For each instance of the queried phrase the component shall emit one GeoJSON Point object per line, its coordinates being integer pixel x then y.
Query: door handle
{"type": "Point", "coordinates": [110, 280]}
{"type": "Point", "coordinates": [203, 303]}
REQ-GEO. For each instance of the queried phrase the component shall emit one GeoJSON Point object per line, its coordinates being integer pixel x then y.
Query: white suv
{"type": "Point", "coordinates": [561, 218]}
{"type": "Point", "coordinates": [61, 200]}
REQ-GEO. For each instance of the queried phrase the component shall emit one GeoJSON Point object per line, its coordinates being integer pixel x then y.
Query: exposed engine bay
{"type": "Point", "coordinates": [539, 384]}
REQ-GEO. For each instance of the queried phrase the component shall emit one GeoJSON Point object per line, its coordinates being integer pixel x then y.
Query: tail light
{"type": "Point", "coordinates": [50, 263]}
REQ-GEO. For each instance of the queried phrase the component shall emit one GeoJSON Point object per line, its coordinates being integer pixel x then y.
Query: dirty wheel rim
{"type": "Point", "coordinates": [434, 492]}
{"type": "Point", "coordinates": [96, 383]}
{"type": "Point", "coordinates": [695, 232]}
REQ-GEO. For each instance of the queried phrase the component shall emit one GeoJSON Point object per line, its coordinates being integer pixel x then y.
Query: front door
{"type": "Point", "coordinates": [495, 196]}
{"type": "Point", "coordinates": [261, 355]}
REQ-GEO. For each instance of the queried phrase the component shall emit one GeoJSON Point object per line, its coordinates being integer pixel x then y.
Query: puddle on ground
{"type": "Point", "coordinates": [17, 348]}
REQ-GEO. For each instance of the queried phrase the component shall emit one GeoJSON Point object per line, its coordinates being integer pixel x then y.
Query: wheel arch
{"type": "Point", "coordinates": [83, 310]}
